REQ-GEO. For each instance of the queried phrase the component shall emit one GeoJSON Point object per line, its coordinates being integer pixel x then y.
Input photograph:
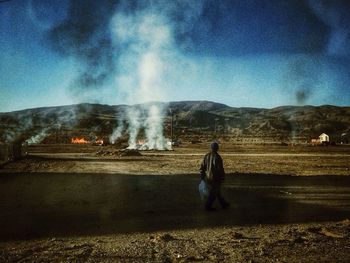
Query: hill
{"type": "Point", "coordinates": [191, 119]}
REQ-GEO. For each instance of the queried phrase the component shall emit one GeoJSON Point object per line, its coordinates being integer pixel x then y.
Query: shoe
{"type": "Point", "coordinates": [210, 209]}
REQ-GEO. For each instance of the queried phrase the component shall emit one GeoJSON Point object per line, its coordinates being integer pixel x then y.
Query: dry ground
{"type": "Point", "coordinates": [280, 243]}
{"type": "Point", "coordinates": [269, 159]}
{"type": "Point", "coordinates": [65, 203]}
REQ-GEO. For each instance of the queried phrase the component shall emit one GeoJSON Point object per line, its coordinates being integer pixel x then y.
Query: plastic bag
{"type": "Point", "coordinates": [204, 190]}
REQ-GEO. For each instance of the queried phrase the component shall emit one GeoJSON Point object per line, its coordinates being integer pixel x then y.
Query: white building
{"type": "Point", "coordinates": [324, 138]}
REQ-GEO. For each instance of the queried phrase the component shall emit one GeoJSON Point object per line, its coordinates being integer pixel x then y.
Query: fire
{"type": "Point", "coordinates": [99, 142]}
{"type": "Point", "coordinates": [140, 142]}
{"type": "Point", "coordinates": [79, 140]}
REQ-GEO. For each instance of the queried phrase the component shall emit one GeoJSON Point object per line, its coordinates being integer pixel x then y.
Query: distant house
{"type": "Point", "coordinates": [324, 138]}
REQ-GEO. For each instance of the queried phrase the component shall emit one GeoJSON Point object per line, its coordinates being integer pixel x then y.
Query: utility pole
{"type": "Point", "coordinates": [171, 126]}
{"type": "Point", "coordinates": [216, 125]}
{"type": "Point", "coordinates": [226, 125]}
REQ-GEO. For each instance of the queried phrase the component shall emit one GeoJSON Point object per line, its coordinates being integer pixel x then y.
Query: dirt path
{"type": "Point", "coordinates": [67, 204]}
{"type": "Point", "coordinates": [36, 205]}
{"type": "Point", "coordinates": [110, 217]}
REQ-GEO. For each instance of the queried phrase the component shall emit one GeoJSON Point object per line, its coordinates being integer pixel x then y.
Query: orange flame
{"type": "Point", "coordinates": [79, 140]}
{"type": "Point", "coordinates": [140, 142]}
{"type": "Point", "coordinates": [99, 142]}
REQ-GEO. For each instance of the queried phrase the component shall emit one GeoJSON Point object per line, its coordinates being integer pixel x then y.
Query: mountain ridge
{"type": "Point", "coordinates": [209, 118]}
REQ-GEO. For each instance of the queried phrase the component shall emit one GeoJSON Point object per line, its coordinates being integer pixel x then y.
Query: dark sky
{"type": "Point", "coordinates": [255, 53]}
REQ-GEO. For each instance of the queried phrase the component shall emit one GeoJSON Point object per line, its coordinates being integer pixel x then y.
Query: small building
{"type": "Point", "coordinates": [324, 138]}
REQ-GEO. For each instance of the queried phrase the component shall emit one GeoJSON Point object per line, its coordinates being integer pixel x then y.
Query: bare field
{"type": "Point", "coordinates": [83, 203]}
{"type": "Point", "coordinates": [246, 159]}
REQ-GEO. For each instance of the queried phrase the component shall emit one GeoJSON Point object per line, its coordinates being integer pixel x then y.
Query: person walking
{"type": "Point", "coordinates": [213, 173]}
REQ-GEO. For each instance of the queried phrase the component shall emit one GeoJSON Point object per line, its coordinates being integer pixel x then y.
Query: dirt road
{"type": "Point", "coordinates": [66, 204]}
{"type": "Point", "coordinates": [40, 205]}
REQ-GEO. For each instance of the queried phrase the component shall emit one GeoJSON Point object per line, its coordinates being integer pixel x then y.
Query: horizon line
{"type": "Point", "coordinates": [168, 102]}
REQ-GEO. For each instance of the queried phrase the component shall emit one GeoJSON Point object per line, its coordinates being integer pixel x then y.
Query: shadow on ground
{"type": "Point", "coordinates": [44, 205]}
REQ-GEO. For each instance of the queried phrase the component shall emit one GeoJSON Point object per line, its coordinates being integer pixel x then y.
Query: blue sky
{"type": "Point", "coordinates": [253, 53]}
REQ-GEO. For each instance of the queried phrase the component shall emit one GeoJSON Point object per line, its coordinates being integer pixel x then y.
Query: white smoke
{"type": "Point", "coordinates": [38, 138]}
{"type": "Point", "coordinates": [147, 40]}
{"type": "Point", "coordinates": [134, 117]}
{"type": "Point", "coordinates": [154, 128]}
{"type": "Point", "coordinates": [117, 131]}
{"type": "Point", "coordinates": [8, 136]}
{"type": "Point", "coordinates": [148, 58]}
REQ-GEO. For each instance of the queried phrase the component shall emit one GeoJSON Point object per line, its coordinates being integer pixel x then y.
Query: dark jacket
{"type": "Point", "coordinates": [212, 169]}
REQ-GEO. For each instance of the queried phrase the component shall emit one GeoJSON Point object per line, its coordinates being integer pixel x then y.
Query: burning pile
{"type": "Point", "coordinates": [79, 141]}
{"type": "Point", "coordinates": [147, 120]}
{"type": "Point", "coordinates": [82, 140]}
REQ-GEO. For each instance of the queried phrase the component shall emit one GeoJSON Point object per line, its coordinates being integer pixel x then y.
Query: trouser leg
{"type": "Point", "coordinates": [211, 199]}
{"type": "Point", "coordinates": [215, 192]}
{"type": "Point", "coordinates": [222, 201]}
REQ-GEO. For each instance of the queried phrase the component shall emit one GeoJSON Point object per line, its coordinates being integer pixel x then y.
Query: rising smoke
{"type": "Point", "coordinates": [137, 44]}
{"type": "Point", "coordinates": [146, 39]}
{"type": "Point", "coordinates": [335, 14]}
{"type": "Point", "coordinates": [84, 36]}
{"type": "Point", "coordinates": [301, 78]}
{"type": "Point", "coordinates": [147, 42]}
{"type": "Point", "coordinates": [33, 126]}
{"type": "Point", "coordinates": [39, 137]}
{"type": "Point", "coordinates": [118, 131]}
{"type": "Point", "coordinates": [133, 43]}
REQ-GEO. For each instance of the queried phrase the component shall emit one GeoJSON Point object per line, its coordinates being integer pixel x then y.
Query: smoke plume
{"type": "Point", "coordinates": [130, 43]}
{"type": "Point", "coordinates": [146, 41]}
{"type": "Point", "coordinates": [335, 14]}
{"type": "Point", "coordinates": [38, 138]}
{"type": "Point", "coordinates": [301, 78]}
{"type": "Point", "coordinates": [84, 36]}
{"type": "Point", "coordinates": [118, 131]}
{"type": "Point", "coordinates": [85, 33]}
{"type": "Point", "coordinates": [34, 125]}
{"type": "Point", "coordinates": [148, 47]}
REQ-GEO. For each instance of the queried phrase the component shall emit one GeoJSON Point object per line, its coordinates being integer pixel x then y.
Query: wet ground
{"type": "Point", "coordinates": [36, 205]}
